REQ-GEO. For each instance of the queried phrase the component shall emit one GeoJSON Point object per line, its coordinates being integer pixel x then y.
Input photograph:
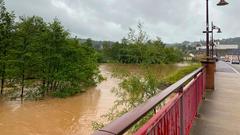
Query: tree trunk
{"type": "Point", "coordinates": [51, 86]}
{"type": "Point", "coordinates": [44, 87]}
{"type": "Point", "coordinates": [48, 83]}
{"type": "Point", "coordinates": [2, 85]}
{"type": "Point", "coordinates": [43, 83]}
{"type": "Point", "coordinates": [55, 85]}
{"type": "Point", "coordinates": [3, 71]}
{"type": "Point", "coordinates": [23, 77]}
{"type": "Point", "coordinates": [3, 80]}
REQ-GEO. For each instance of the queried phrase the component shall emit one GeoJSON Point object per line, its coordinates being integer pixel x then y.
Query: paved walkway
{"type": "Point", "coordinates": [220, 112]}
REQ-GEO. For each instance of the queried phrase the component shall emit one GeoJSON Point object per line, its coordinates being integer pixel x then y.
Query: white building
{"type": "Point", "coordinates": [220, 47]}
{"type": "Point", "coordinates": [222, 50]}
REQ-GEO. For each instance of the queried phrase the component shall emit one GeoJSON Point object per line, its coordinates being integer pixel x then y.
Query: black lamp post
{"type": "Point", "coordinates": [212, 38]}
{"type": "Point", "coordinates": [221, 3]}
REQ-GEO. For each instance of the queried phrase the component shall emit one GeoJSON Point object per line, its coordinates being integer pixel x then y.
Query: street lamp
{"type": "Point", "coordinates": [212, 38]}
{"type": "Point", "coordinates": [219, 31]}
{"type": "Point", "coordinates": [221, 3]}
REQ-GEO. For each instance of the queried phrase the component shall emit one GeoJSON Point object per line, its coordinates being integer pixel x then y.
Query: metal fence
{"type": "Point", "coordinates": [174, 118]}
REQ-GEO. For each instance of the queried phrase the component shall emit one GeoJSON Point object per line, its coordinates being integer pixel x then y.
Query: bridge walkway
{"type": "Point", "coordinates": [220, 112]}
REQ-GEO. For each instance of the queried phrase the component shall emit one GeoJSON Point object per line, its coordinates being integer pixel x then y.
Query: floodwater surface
{"type": "Point", "coordinates": [69, 116]}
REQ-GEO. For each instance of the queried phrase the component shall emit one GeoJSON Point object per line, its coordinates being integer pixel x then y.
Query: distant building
{"type": "Point", "coordinates": [220, 47]}
{"type": "Point", "coordinates": [222, 50]}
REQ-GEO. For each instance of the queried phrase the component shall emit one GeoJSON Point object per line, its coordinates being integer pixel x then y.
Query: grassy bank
{"type": "Point", "coordinates": [177, 75]}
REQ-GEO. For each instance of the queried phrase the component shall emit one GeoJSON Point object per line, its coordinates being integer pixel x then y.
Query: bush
{"type": "Point", "coordinates": [67, 92]}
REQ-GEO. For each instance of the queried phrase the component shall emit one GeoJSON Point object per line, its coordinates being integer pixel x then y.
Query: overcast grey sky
{"type": "Point", "coordinates": [172, 20]}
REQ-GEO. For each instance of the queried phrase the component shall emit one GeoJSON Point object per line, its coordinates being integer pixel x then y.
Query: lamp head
{"type": "Point", "coordinates": [222, 3]}
{"type": "Point", "coordinates": [219, 31]}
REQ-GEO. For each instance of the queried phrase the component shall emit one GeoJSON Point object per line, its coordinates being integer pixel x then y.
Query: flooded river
{"type": "Point", "coordinates": [70, 116]}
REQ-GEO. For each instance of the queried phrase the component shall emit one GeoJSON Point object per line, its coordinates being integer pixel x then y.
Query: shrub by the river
{"type": "Point", "coordinates": [136, 89]}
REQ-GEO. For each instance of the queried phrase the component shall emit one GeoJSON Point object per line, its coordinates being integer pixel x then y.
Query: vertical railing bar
{"type": "Point", "coordinates": [181, 112]}
{"type": "Point", "coordinates": [200, 83]}
{"type": "Point", "coordinates": [155, 110]}
{"type": "Point", "coordinates": [204, 84]}
{"type": "Point", "coordinates": [197, 78]}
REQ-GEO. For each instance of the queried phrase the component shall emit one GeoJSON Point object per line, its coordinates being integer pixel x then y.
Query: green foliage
{"type": "Point", "coordinates": [7, 29]}
{"type": "Point", "coordinates": [97, 125]}
{"type": "Point", "coordinates": [43, 59]}
{"type": "Point", "coordinates": [138, 49]}
{"type": "Point", "coordinates": [174, 77]}
{"type": "Point", "coordinates": [67, 92]}
{"type": "Point", "coordinates": [134, 90]}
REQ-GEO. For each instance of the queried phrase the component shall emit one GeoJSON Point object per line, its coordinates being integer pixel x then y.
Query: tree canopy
{"type": "Point", "coordinates": [138, 48]}
{"type": "Point", "coordinates": [42, 59]}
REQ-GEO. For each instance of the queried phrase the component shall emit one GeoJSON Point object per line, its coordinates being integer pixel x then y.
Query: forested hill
{"type": "Point", "coordinates": [227, 41]}
{"type": "Point", "coordinates": [235, 40]}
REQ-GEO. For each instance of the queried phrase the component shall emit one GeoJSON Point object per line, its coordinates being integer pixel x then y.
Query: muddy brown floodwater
{"type": "Point", "coordinates": [70, 116]}
{"type": "Point", "coordinates": [53, 116]}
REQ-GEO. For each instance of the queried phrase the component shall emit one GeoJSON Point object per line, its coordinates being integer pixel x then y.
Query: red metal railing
{"type": "Point", "coordinates": [174, 118]}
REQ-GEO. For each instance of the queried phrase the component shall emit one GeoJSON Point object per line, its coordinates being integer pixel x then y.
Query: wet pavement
{"type": "Point", "coordinates": [236, 66]}
{"type": "Point", "coordinates": [220, 112]}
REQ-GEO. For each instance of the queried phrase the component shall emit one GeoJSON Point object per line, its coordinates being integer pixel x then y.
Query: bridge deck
{"type": "Point", "coordinates": [220, 112]}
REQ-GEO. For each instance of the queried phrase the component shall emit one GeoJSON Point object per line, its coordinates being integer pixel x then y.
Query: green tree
{"type": "Point", "coordinates": [138, 49]}
{"type": "Point", "coordinates": [28, 31]}
{"type": "Point", "coordinates": [89, 42]}
{"type": "Point", "coordinates": [43, 57]}
{"type": "Point", "coordinates": [6, 41]}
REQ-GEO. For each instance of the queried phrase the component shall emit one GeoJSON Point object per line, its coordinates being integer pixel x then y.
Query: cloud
{"type": "Point", "coordinates": [172, 20]}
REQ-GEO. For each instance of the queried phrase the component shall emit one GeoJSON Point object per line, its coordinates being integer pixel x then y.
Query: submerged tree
{"type": "Point", "coordinates": [41, 58]}
{"type": "Point", "coordinates": [6, 41]}
{"type": "Point", "coordinates": [47, 53]}
{"type": "Point", "coordinates": [28, 35]}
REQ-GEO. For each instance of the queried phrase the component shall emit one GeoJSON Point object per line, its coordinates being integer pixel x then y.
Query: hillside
{"type": "Point", "coordinates": [235, 40]}
{"type": "Point", "coordinates": [227, 41]}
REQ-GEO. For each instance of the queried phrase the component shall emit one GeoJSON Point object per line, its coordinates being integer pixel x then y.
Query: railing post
{"type": "Point", "coordinates": [182, 127]}
{"type": "Point", "coordinates": [197, 115]}
{"type": "Point", "coordinates": [154, 110]}
{"type": "Point", "coordinates": [210, 65]}
{"type": "Point", "coordinates": [204, 78]}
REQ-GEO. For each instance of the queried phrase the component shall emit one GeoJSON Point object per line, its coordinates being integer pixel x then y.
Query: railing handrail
{"type": "Point", "coordinates": [122, 124]}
